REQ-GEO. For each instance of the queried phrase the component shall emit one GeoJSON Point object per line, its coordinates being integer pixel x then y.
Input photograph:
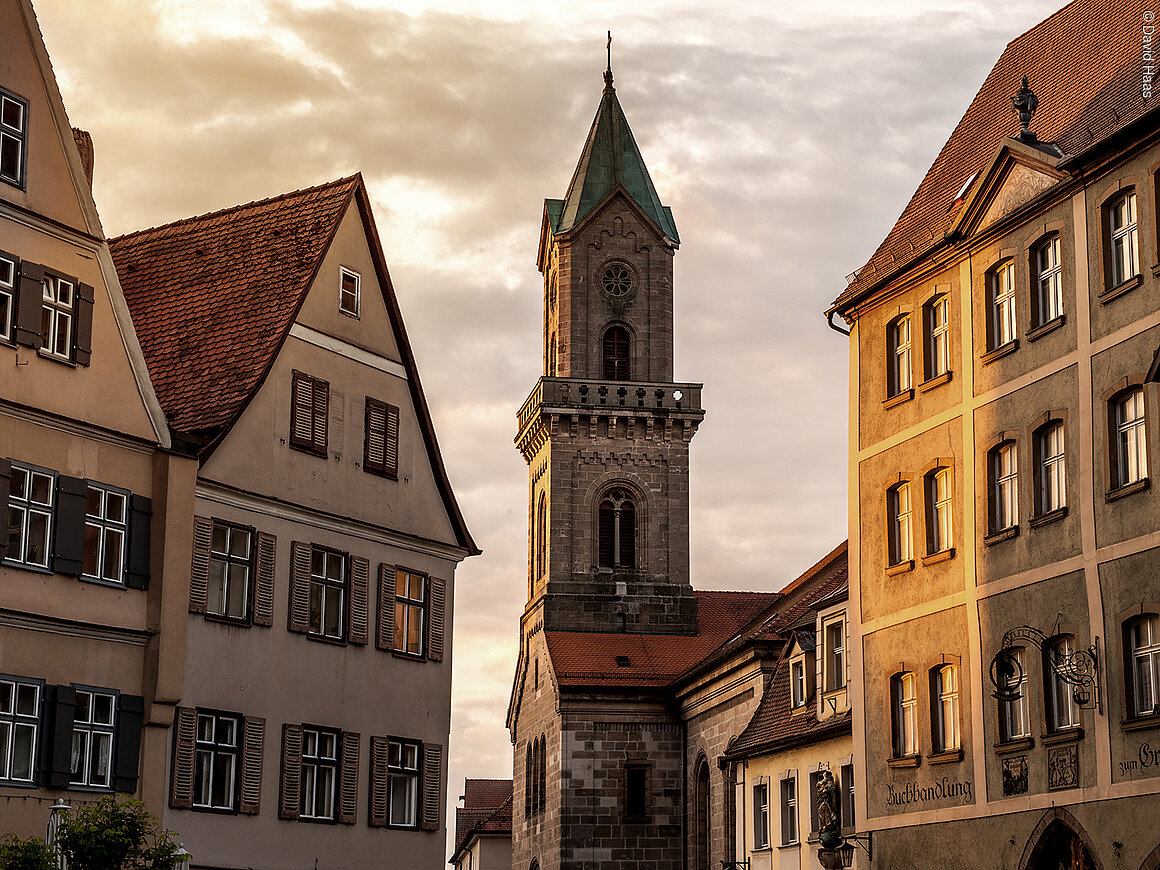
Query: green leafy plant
{"type": "Point", "coordinates": [30, 854]}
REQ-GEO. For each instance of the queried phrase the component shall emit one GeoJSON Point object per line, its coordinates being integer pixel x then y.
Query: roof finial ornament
{"type": "Point", "coordinates": [1025, 103]}
{"type": "Point", "coordinates": [608, 71]}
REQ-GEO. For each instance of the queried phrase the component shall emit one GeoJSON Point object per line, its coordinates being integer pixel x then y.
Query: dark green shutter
{"type": "Point", "coordinates": [56, 748]}
{"type": "Point", "coordinates": [84, 324]}
{"type": "Point", "coordinates": [68, 539]}
{"type": "Point", "coordinates": [130, 714]}
{"type": "Point", "coordinates": [29, 305]}
{"type": "Point", "coordinates": [140, 516]}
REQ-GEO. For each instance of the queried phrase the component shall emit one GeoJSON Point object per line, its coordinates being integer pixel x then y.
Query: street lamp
{"type": "Point", "coordinates": [57, 814]}
{"type": "Point", "coordinates": [182, 857]}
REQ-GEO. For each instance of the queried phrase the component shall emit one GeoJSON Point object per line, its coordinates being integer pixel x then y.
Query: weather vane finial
{"type": "Point", "coordinates": [608, 71]}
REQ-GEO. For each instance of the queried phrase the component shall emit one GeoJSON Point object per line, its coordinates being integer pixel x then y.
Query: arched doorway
{"type": "Point", "coordinates": [1060, 845]}
{"type": "Point", "coordinates": [701, 820]}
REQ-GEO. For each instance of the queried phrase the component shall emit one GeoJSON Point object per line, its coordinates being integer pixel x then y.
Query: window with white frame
{"type": "Point", "coordinates": [319, 773]}
{"type": "Point", "coordinates": [898, 379]}
{"type": "Point", "coordinates": [1130, 457]}
{"type": "Point", "coordinates": [905, 715]}
{"type": "Point", "coordinates": [106, 531]}
{"type": "Point", "coordinates": [938, 341]}
{"type": "Point", "coordinates": [797, 672]}
{"type": "Point", "coordinates": [410, 612]}
{"type": "Point", "coordinates": [1004, 486]}
{"type": "Point", "coordinates": [216, 761]}
{"type": "Point", "coordinates": [349, 291]}
{"type": "Point", "coordinates": [945, 691]}
{"type": "Point", "coordinates": [1052, 488]}
{"type": "Point", "coordinates": [328, 579]}
{"type": "Point", "coordinates": [940, 512]}
{"type": "Point", "coordinates": [1048, 281]}
{"type": "Point", "coordinates": [8, 277]}
{"type": "Point", "coordinates": [1125, 260]}
{"type": "Point", "coordinates": [92, 743]}
{"type": "Point", "coordinates": [1144, 636]}
{"type": "Point", "coordinates": [31, 499]}
{"type": "Point", "coordinates": [847, 783]}
{"type": "Point", "coordinates": [56, 330]}
{"type": "Point", "coordinates": [403, 783]}
{"type": "Point", "coordinates": [898, 507]}
{"type": "Point", "coordinates": [1062, 710]}
{"type": "Point", "coordinates": [19, 724]}
{"type": "Point", "coordinates": [1014, 721]}
{"type": "Point", "coordinates": [835, 655]}
{"type": "Point", "coordinates": [789, 811]}
{"type": "Point", "coordinates": [1002, 281]}
{"type": "Point", "coordinates": [761, 816]}
{"type": "Point", "coordinates": [13, 137]}
{"type": "Point", "coordinates": [230, 567]}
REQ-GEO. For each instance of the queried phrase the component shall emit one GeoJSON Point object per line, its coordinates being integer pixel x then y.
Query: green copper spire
{"type": "Point", "coordinates": [610, 158]}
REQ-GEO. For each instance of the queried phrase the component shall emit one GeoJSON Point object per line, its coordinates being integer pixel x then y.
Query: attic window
{"type": "Point", "coordinates": [348, 293]}
{"type": "Point", "coordinates": [622, 661]}
{"type": "Point", "coordinates": [13, 137]}
{"type": "Point", "coordinates": [963, 190]}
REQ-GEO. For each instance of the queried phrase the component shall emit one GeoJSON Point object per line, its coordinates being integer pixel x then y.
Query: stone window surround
{"type": "Point", "coordinates": [1111, 467]}
{"type": "Point", "coordinates": [1107, 195]}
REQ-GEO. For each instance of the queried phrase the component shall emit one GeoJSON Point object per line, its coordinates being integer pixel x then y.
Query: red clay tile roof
{"type": "Point", "coordinates": [654, 660]}
{"type": "Point", "coordinates": [486, 794]}
{"type": "Point", "coordinates": [487, 808]}
{"type": "Point", "coordinates": [1084, 65]}
{"type": "Point", "coordinates": [776, 724]}
{"type": "Point", "coordinates": [213, 296]}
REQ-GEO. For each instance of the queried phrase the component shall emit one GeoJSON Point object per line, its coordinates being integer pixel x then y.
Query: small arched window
{"type": "Point", "coordinates": [541, 537]}
{"type": "Point", "coordinates": [899, 515]}
{"type": "Point", "coordinates": [1143, 636]}
{"type": "Point", "coordinates": [617, 531]}
{"type": "Point", "coordinates": [552, 356]}
{"type": "Point", "coordinates": [1062, 710]}
{"type": "Point", "coordinates": [1050, 468]}
{"type": "Point", "coordinates": [898, 356]}
{"type": "Point", "coordinates": [904, 715]}
{"type": "Point", "coordinates": [542, 788]}
{"type": "Point", "coordinates": [529, 778]}
{"type": "Point", "coordinates": [616, 354]}
{"type": "Point", "coordinates": [944, 684]}
{"type": "Point", "coordinates": [1003, 467]}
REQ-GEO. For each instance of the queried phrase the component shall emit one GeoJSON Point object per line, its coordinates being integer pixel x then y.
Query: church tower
{"type": "Point", "coordinates": [606, 431]}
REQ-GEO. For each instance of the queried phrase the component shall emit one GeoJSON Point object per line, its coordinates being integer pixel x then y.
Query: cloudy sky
{"type": "Point", "coordinates": [786, 137]}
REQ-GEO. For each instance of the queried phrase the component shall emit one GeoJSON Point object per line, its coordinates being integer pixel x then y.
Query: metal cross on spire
{"type": "Point", "coordinates": [608, 71]}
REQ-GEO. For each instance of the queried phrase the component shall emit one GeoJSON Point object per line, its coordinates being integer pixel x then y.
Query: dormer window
{"type": "Point", "coordinates": [349, 291]}
{"type": "Point", "coordinates": [798, 683]}
{"type": "Point", "coordinates": [13, 137]}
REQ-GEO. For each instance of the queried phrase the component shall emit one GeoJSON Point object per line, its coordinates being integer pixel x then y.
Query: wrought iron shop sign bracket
{"type": "Point", "coordinates": [1079, 669]}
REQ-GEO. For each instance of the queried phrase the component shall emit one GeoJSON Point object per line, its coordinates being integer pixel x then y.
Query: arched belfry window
{"type": "Point", "coordinates": [616, 348]}
{"type": "Point", "coordinates": [541, 537]}
{"type": "Point", "coordinates": [617, 533]}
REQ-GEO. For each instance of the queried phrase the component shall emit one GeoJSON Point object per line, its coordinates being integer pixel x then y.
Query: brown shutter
{"type": "Point", "coordinates": [321, 413]}
{"type": "Point", "coordinates": [140, 526]}
{"type": "Point", "coordinates": [391, 447]}
{"type": "Point", "coordinates": [301, 409]}
{"type": "Point", "coordinates": [385, 634]}
{"type": "Point", "coordinates": [432, 788]}
{"type": "Point", "coordinates": [68, 537]}
{"type": "Point", "coordinates": [438, 590]}
{"type": "Point", "coordinates": [377, 808]}
{"type": "Point", "coordinates": [253, 743]}
{"type": "Point", "coordinates": [360, 571]}
{"type": "Point", "coordinates": [184, 741]}
{"type": "Point", "coordinates": [299, 610]}
{"type": "Point", "coordinates": [29, 305]}
{"type": "Point", "coordinates": [375, 434]}
{"type": "Point", "coordinates": [84, 324]}
{"type": "Point", "coordinates": [264, 579]}
{"type": "Point", "coordinates": [199, 570]}
{"type": "Point", "coordinates": [348, 778]}
{"type": "Point", "coordinates": [290, 786]}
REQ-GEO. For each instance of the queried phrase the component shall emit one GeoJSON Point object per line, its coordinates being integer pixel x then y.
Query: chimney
{"type": "Point", "coordinates": [85, 147]}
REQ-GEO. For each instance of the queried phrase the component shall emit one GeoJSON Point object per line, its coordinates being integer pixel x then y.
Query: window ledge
{"type": "Point", "coordinates": [900, 568]}
{"type": "Point", "coordinates": [785, 846]}
{"type": "Point", "coordinates": [1063, 735]}
{"type": "Point", "coordinates": [1046, 519]}
{"type": "Point", "coordinates": [898, 398]}
{"type": "Point", "coordinates": [312, 451]}
{"type": "Point", "coordinates": [411, 657]}
{"type": "Point", "coordinates": [24, 566]}
{"type": "Point", "coordinates": [946, 757]}
{"type": "Point", "coordinates": [940, 556]}
{"type": "Point", "coordinates": [321, 638]}
{"type": "Point", "coordinates": [936, 381]}
{"type": "Point", "coordinates": [1156, 270]}
{"type": "Point", "coordinates": [227, 620]}
{"type": "Point", "coordinates": [64, 361]}
{"type": "Point", "coordinates": [1044, 328]}
{"type": "Point", "coordinates": [1019, 744]}
{"type": "Point", "coordinates": [1141, 723]}
{"type": "Point", "coordinates": [1001, 535]}
{"type": "Point", "coordinates": [1121, 288]}
{"type": "Point", "coordinates": [100, 581]}
{"type": "Point", "coordinates": [1001, 351]}
{"type": "Point", "coordinates": [905, 761]}
{"type": "Point", "coordinates": [1128, 489]}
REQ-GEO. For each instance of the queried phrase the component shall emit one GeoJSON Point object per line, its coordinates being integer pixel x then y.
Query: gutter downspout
{"type": "Point", "coordinates": [834, 326]}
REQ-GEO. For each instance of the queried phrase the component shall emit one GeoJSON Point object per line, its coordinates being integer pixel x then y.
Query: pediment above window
{"type": "Point", "coordinates": [1017, 174]}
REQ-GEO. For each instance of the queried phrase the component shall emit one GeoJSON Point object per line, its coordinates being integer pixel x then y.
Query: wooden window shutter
{"type": "Point", "coordinates": [199, 569]}
{"type": "Point", "coordinates": [375, 435]}
{"type": "Point", "coordinates": [385, 624]}
{"type": "Point", "coordinates": [302, 410]}
{"type": "Point", "coordinates": [299, 610]}
{"type": "Point", "coordinates": [432, 785]}
{"type": "Point", "coordinates": [84, 324]}
{"type": "Point", "coordinates": [130, 717]}
{"type": "Point", "coordinates": [321, 412]}
{"type": "Point", "coordinates": [290, 786]}
{"type": "Point", "coordinates": [360, 572]}
{"type": "Point", "coordinates": [253, 744]}
{"type": "Point", "coordinates": [29, 305]}
{"type": "Point", "coordinates": [391, 447]}
{"type": "Point", "coordinates": [68, 538]}
{"type": "Point", "coordinates": [184, 743]}
{"type": "Point", "coordinates": [377, 809]}
{"type": "Point", "coordinates": [140, 519]}
{"type": "Point", "coordinates": [56, 757]}
{"type": "Point", "coordinates": [5, 490]}
{"type": "Point", "coordinates": [438, 590]}
{"type": "Point", "coordinates": [264, 579]}
{"type": "Point", "coordinates": [348, 778]}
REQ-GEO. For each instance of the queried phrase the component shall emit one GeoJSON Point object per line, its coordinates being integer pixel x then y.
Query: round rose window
{"type": "Point", "coordinates": [617, 280]}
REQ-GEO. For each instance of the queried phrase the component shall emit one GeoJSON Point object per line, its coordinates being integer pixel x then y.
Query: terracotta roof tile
{"type": "Point", "coordinates": [213, 296]}
{"type": "Point", "coordinates": [775, 722]}
{"type": "Point", "coordinates": [487, 808]}
{"type": "Point", "coordinates": [486, 794]}
{"type": "Point", "coordinates": [1084, 65]}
